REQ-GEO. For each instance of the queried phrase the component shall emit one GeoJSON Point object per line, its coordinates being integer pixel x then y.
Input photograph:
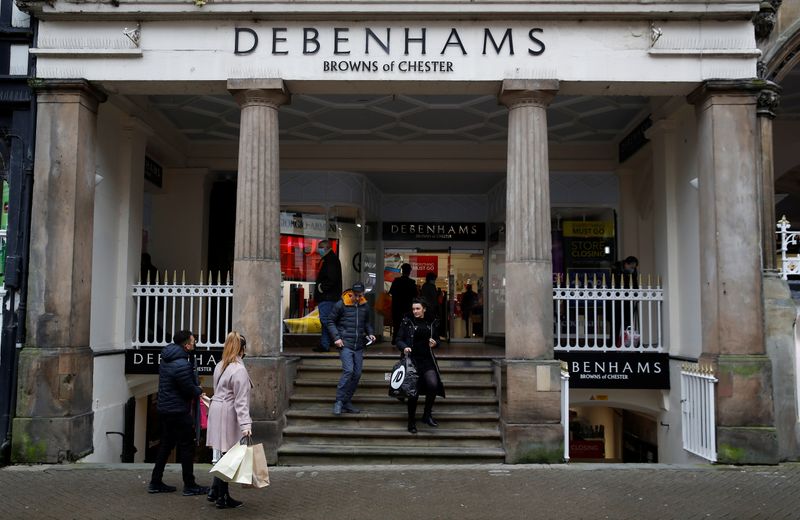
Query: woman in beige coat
{"type": "Point", "coordinates": [229, 413]}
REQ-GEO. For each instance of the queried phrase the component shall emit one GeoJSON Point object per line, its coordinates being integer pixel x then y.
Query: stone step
{"type": "Point", "coordinates": [384, 361]}
{"type": "Point", "coordinates": [476, 375]}
{"type": "Point", "coordinates": [455, 389]}
{"type": "Point", "coordinates": [396, 436]}
{"type": "Point", "coordinates": [375, 402]}
{"type": "Point", "coordinates": [322, 417]}
{"type": "Point", "coordinates": [292, 454]}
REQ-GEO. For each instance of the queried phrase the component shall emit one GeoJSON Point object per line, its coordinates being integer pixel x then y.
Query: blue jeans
{"type": "Point", "coordinates": [325, 309]}
{"type": "Point", "coordinates": [352, 362]}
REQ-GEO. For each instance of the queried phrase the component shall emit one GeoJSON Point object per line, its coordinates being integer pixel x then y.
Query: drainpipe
{"type": "Point", "coordinates": [14, 304]}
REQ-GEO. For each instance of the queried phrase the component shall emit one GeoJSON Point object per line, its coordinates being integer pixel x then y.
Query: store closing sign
{"type": "Point", "coordinates": [617, 369]}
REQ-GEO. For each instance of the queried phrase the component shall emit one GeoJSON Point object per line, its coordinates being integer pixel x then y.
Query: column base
{"type": "Point", "coordinates": [54, 419]}
{"type": "Point", "coordinates": [747, 445]}
{"type": "Point", "coordinates": [270, 433]}
{"type": "Point", "coordinates": [744, 391]}
{"type": "Point", "coordinates": [51, 440]}
{"type": "Point", "coordinates": [257, 305]}
{"type": "Point", "coordinates": [272, 379]}
{"type": "Point", "coordinates": [533, 443]}
{"type": "Point", "coordinates": [530, 409]}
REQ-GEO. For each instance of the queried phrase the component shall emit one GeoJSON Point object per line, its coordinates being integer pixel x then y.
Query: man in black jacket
{"type": "Point", "coordinates": [403, 290]}
{"type": "Point", "coordinates": [350, 326]}
{"type": "Point", "coordinates": [328, 292]}
{"type": "Point", "coordinates": [178, 387]}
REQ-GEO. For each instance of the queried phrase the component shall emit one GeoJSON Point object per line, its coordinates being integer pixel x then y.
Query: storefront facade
{"type": "Point", "coordinates": [359, 127]}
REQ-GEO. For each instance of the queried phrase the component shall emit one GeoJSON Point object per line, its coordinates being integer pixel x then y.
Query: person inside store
{"type": "Point", "coordinates": [350, 326]}
{"type": "Point", "coordinates": [468, 301]}
{"type": "Point", "coordinates": [403, 290]}
{"type": "Point", "coordinates": [328, 291]}
{"type": "Point", "coordinates": [418, 337]}
{"type": "Point", "coordinates": [229, 413]}
{"type": "Point", "coordinates": [431, 295]}
{"type": "Point", "coordinates": [178, 388]}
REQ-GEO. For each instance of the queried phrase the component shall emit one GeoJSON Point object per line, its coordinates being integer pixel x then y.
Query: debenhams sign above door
{"type": "Point", "coordinates": [375, 49]}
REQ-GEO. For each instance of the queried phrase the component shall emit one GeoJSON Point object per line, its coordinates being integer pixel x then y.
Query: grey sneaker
{"type": "Point", "coordinates": [337, 408]}
{"type": "Point", "coordinates": [349, 408]}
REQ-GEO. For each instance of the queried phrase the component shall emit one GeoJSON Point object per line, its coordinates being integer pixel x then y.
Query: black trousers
{"type": "Point", "coordinates": [428, 381]}
{"type": "Point", "coordinates": [177, 431]}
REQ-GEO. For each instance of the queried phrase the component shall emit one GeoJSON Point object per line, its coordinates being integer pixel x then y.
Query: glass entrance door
{"type": "Point", "coordinates": [459, 287]}
{"type": "Point", "coordinates": [466, 281]}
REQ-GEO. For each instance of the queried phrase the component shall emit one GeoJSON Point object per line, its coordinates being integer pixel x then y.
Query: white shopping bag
{"type": "Point", "coordinates": [227, 467]}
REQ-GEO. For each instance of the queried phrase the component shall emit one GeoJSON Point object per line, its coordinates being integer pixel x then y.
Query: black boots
{"type": "Point", "coordinates": [428, 419]}
{"type": "Point", "coordinates": [427, 415]}
{"type": "Point", "coordinates": [224, 499]}
{"type": "Point", "coordinates": [213, 493]}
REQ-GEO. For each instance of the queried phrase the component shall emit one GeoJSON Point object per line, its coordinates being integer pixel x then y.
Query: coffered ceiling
{"type": "Point", "coordinates": [401, 118]}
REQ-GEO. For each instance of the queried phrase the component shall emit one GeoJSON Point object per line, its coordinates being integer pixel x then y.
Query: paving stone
{"type": "Point", "coordinates": [574, 491]}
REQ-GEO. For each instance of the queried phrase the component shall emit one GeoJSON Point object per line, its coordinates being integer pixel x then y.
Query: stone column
{"type": "Point", "coordinates": [54, 418]}
{"type": "Point", "coordinates": [256, 263]}
{"type": "Point", "coordinates": [530, 398]}
{"type": "Point", "coordinates": [768, 100]}
{"type": "Point", "coordinates": [730, 273]}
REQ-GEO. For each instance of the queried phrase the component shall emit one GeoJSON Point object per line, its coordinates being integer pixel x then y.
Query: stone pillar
{"type": "Point", "coordinates": [730, 273]}
{"type": "Point", "coordinates": [768, 100]}
{"type": "Point", "coordinates": [530, 400]}
{"type": "Point", "coordinates": [256, 263]}
{"type": "Point", "coordinates": [54, 417]}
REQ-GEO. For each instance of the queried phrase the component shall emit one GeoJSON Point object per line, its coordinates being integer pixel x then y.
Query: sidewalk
{"type": "Point", "coordinates": [575, 491]}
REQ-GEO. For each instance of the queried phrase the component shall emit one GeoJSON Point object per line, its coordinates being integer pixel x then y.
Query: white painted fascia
{"type": "Point", "coordinates": [453, 9]}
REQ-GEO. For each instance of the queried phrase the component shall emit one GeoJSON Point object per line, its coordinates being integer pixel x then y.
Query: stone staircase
{"type": "Point", "coordinates": [468, 418]}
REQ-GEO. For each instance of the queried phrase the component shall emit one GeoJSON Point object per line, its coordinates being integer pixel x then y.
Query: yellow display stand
{"type": "Point", "coordinates": [308, 324]}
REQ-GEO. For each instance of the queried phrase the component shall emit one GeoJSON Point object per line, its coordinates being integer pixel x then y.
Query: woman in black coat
{"type": "Point", "coordinates": [418, 337]}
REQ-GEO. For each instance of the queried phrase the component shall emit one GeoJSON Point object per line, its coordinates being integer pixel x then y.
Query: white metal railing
{"type": "Point", "coordinates": [565, 407]}
{"type": "Point", "coordinates": [790, 263]}
{"type": "Point", "coordinates": [164, 307]}
{"type": "Point", "coordinates": [598, 314]}
{"type": "Point", "coordinates": [698, 410]}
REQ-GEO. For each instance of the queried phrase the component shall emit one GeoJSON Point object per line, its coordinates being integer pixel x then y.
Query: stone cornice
{"type": "Point", "coordinates": [421, 10]}
{"type": "Point", "coordinates": [64, 86]}
{"type": "Point", "coordinates": [730, 87]}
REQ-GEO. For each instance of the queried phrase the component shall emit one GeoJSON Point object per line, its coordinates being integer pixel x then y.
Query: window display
{"type": "Point", "coordinates": [302, 230]}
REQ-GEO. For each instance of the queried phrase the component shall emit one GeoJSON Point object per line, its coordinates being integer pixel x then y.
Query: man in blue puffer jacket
{"type": "Point", "coordinates": [178, 387]}
{"type": "Point", "coordinates": [350, 326]}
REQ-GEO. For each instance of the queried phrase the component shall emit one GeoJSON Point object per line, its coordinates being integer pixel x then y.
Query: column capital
{"type": "Point", "coordinates": [744, 91]}
{"type": "Point", "coordinates": [271, 92]}
{"type": "Point", "coordinates": [55, 91]}
{"type": "Point", "coordinates": [516, 92]}
{"type": "Point", "coordinates": [768, 100]}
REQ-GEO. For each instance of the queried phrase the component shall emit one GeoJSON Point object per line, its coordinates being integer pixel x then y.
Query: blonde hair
{"type": "Point", "coordinates": [233, 348]}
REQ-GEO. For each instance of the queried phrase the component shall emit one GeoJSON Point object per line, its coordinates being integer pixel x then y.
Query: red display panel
{"type": "Point", "coordinates": [299, 258]}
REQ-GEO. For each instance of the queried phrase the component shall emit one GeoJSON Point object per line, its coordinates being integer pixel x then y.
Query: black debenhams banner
{"type": "Point", "coordinates": [464, 231]}
{"type": "Point", "coordinates": [145, 360]}
{"type": "Point", "coordinates": [616, 369]}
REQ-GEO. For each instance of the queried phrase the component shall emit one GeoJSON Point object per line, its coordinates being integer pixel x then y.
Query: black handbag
{"type": "Point", "coordinates": [403, 382]}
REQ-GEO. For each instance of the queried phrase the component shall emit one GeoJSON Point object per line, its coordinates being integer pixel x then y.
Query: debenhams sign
{"type": "Point", "coordinates": [374, 49]}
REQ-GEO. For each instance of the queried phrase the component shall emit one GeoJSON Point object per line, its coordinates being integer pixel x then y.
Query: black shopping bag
{"type": "Point", "coordinates": [403, 382]}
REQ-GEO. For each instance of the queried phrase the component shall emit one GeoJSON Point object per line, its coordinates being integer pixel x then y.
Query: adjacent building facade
{"type": "Point", "coordinates": [475, 140]}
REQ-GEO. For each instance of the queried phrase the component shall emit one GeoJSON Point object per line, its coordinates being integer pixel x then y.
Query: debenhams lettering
{"type": "Point", "coordinates": [435, 229]}
{"type": "Point", "coordinates": [343, 41]}
{"type": "Point", "coordinates": [612, 369]}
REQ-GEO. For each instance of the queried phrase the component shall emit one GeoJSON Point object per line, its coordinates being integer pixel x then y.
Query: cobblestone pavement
{"type": "Point", "coordinates": [575, 491]}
